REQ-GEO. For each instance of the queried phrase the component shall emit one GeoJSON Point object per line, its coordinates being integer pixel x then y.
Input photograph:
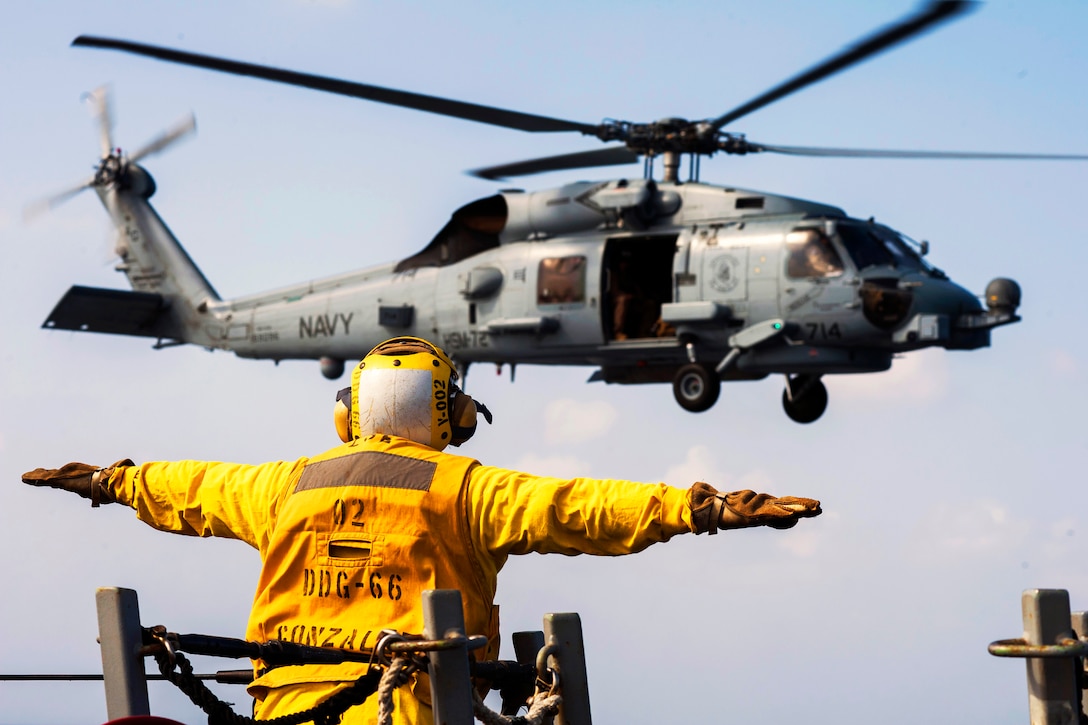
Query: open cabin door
{"type": "Point", "coordinates": [636, 279]}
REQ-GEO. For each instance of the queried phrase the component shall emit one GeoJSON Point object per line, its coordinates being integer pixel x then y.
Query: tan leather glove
{"type": "Point", "coordinates": [712, 510]}
{"type": "Point", "coordinates": [88, 481]}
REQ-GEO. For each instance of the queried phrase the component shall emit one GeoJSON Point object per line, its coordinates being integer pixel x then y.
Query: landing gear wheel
{"type": "Point", "coordinates": [804, 399]}
{"type": "Point", "coordinates": [696, 388]}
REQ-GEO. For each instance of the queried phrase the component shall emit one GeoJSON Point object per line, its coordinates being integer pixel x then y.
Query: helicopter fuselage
{"type": "Point", "coordinates": [637, 278]}
{"type": "Point", "coordinates": [547, 289]}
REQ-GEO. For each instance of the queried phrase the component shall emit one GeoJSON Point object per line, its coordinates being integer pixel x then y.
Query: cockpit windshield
{"type": "Point", "coordinates": [872, 245]}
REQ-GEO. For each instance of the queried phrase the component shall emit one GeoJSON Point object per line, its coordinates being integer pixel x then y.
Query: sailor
{"type": "Point", "coordinates": [349, 539]}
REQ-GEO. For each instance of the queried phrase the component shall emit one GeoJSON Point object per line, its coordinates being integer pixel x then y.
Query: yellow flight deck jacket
{"type": "Point", "coordinates": [351, 538]}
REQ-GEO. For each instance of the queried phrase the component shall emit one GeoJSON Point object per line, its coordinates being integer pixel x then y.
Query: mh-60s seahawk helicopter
{"type": "Point", "coordinates": [651, 280]}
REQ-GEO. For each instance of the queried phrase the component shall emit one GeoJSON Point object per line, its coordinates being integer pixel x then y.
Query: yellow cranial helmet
{"type": "Point", "coordinates": [407, 387]}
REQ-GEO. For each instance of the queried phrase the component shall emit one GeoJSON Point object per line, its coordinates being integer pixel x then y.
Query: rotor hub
{"type": "Point", "coordinates": [109, 170]}
{"type": "Point", "coordinates": [669, 135]}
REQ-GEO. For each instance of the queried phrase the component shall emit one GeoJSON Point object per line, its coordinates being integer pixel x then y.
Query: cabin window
{"type": "Point", "coordinates": [561, 280]}
{"type": "Point", "coordinates": [811, 255]}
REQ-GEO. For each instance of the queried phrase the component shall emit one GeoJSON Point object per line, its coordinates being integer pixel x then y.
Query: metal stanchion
{"type": "Point", "coordinates": [1079, 621]}
{"type": "Point", "coordinates": [120, 637]}
{"type": "Point", "coordinates": [564, 631]}
{"type": "Point", "coordinates": [451, 688]}
{"type": "Point", "coordinates": [1053, 655]}
{"type": "Point", "coordinates": [1052, 690]}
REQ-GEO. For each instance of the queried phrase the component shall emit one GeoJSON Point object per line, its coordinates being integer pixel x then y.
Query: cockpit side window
{"type": "Point", "coordinates": [561, 280]}
{"type": "Point", "coordinates": [902, 253]}
{"type": "Point", "coordinates": [810, 254]}
{"type": "Point", "coordinates": [864, 247]}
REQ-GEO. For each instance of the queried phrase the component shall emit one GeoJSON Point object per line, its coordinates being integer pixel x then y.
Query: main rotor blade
{"type": "Point", "coordinates": [179, 131]}
{"type": "Point", "coordinates": [934, 13]}
{"type": "Point", "coordinates": [754, 147]}
{"type": "Point", "coordinates": [417, 101]}
{"type": "Point", "coordinates": [611, 156]}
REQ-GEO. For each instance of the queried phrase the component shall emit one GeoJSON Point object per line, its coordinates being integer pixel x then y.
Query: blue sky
{"type": "Point", "coordinates": [950, 483]}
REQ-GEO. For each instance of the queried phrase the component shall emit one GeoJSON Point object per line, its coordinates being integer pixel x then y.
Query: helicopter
{"type": "Point", "coordinates": [649, 280]}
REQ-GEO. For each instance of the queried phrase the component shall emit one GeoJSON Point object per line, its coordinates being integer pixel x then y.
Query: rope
{"type": "Point", "coordinates": [398, 673]}
{"type": "Point", "coordinates": [543, 706]}
{"type": "Point", "coordinates": [220, 713]}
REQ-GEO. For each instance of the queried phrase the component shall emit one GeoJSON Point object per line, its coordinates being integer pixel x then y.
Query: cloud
{"type": "Point", "coordinates": [757, 480]}
{"type": "Point", "coordinates": [558, 466]}
{"type": "Point", "coordinates": [700, 464]}
{"type": "Point", "coordinates": [570, 421]}
{"type": "Point", "coordinates": [1061, 541]}
{"type": "Point", "coordinates": [918, 377]}
{"type": "Point", "coordinates": [1064, 364]}
{"type": "Point", "coordinates": [955, 531]}
{"type": "Point", "coordinates": [808, 538]}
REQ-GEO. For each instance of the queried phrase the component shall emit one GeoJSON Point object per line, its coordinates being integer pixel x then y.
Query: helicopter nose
{"type": "Point", "coordinates": [946, 297]}
{"type": "Point", "coordinates": [936, 314]}
{"type": "Point", "coordinates": [943, 313]}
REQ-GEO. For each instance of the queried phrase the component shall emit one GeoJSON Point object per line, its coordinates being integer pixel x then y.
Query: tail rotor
{"type": "Point", "coordinates": [114, 163]}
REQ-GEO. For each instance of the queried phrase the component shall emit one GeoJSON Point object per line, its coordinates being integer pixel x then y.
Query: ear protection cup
{"type": "Point", "coordinates": [341, 414]}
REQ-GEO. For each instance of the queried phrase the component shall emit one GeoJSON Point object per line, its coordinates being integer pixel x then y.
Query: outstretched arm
{"type": "Point", "coordinates": [517, 513]}
{"type": "Point", "coordinates": [195, 498]}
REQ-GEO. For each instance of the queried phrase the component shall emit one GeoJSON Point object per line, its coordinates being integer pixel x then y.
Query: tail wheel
{"type": "Point", "coordinates": [696, 387]}
{"type": "Point", "coordinates": [804, 399]}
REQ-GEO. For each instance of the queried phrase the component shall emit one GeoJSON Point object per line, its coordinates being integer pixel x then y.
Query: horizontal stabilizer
{"type": "Point", "coordinates": [117, 312]}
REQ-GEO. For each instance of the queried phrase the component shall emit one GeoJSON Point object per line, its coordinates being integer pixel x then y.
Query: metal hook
{"type": "Point", "coordinates": [163, 637]}
{"type": "Point", "coordinates": [547, 675]}
{"type": "Point", "coordinates": [388, 637]}
{"type": "Point", "coordinates": [542, 659]}
{"type": "Point", "coordinates": [554, 689]}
